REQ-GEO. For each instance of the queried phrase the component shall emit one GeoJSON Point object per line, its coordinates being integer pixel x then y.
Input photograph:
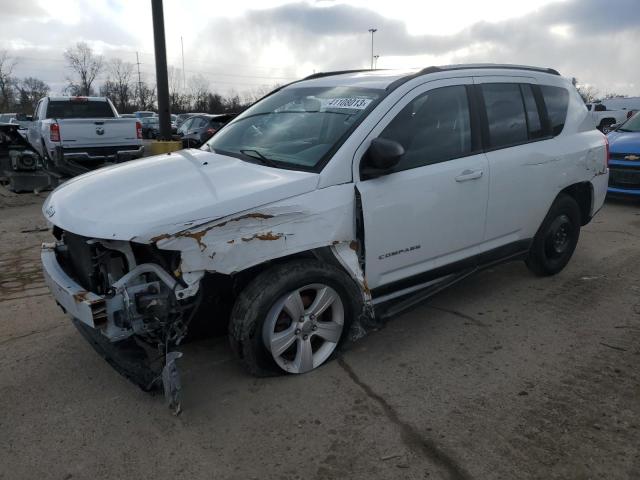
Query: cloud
{"type": "Point", "coordinates": [589, 39]}
{"type": "Point", "coordinates": [596, 44]}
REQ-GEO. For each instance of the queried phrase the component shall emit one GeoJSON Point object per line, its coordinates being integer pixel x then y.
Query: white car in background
{"type": "Point", "coordinates": [333, 202]}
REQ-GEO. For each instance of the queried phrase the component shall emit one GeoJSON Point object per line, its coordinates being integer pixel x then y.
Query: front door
{"type": "Point", "coordinates": [429, 211]}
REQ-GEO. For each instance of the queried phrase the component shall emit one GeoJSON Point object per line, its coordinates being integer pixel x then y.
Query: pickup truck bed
{"type": "Point", "coordinates": [78, 134]}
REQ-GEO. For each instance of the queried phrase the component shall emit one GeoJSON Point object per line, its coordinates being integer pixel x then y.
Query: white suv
{"type": "Point", "coordinates": [330, 203]}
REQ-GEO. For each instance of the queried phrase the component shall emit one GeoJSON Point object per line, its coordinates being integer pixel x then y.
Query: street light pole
{"type": "Point", "coordinates": [375, 61]}
{"type": "Point", "coordinates": [372, 31]}
{"type": "Point", "coordinates": [162, 81]}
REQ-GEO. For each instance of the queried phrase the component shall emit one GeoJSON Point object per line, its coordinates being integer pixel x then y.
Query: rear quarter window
{"type": "Point", "coordinates": [61, 109]}
{"type": "Point", "coordinates": [556, 100]}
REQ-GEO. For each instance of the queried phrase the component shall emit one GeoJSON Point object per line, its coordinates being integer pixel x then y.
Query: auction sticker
{"type": "Point", "coordinates": [351, 103]}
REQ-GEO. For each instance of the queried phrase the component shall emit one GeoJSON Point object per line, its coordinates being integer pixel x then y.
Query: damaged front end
{"type": "Point", "coordinates": [129, 300]}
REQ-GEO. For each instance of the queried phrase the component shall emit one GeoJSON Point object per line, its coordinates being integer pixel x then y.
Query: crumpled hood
{"type": "Point", "coordinates": [624, 142]}
{"type": "Point", "coordinates": [165, 194]}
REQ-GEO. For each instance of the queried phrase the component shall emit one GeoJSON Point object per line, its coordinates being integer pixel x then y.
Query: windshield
{"type": "Point", "coordinates": [631, 125]}
{"type": "Point", "coordinates": [295, 127]}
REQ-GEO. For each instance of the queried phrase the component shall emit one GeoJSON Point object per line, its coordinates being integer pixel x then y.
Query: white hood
{"type": "Point", "coordinates": [167, 193]}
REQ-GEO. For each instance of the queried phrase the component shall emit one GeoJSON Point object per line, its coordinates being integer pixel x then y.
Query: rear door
{"type": "Point", "coordinates": [522, 160]}
{"type": "Point", "coordinates": [429, 211]}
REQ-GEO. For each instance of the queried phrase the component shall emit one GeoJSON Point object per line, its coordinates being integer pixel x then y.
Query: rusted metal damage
{"type": "Point", "coordinates": [80, 296]}
{"type": "Point", "coordinates": [199, 235]}
{"type": "Point", "coordinates": [263, 236]}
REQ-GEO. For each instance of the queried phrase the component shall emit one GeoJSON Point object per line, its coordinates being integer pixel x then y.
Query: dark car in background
{"type": "Point", "coordinates": [624, 166]}
{"type": "Point", "coordinates": [197, 129]}
{"type": "Point", "coordinates": [183, 116]}
{"type": "Point", "coordinates": [150, 127]}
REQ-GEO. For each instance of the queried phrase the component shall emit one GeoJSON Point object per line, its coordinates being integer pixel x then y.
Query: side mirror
{"type": "Point", "coordinates": [382, 155]}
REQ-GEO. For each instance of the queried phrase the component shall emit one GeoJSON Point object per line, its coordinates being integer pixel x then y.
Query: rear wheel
{"type": "Point", "coordinates": [292, 317]}
{"type": "Point", "coordinates": [556, 238]}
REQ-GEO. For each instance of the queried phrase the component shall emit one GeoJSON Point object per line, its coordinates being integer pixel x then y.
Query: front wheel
{"type": "Point", "coordinates": [292, 317]}
{"type": "Point", "coordinates": [556, 238]}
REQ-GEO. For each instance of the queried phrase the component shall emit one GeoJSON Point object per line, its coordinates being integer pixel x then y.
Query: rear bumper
{"type": "Point", "coordinates": [75, 163]}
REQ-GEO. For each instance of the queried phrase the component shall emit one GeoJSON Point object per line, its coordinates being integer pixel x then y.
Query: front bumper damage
{"type": "Point", "coordinates": [131, 310]}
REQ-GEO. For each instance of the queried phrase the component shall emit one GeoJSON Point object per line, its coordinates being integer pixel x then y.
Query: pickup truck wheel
{"type": "Point", "coordinates": [556, 238]}
{"type": "Point", "coordinates": [292, 317]}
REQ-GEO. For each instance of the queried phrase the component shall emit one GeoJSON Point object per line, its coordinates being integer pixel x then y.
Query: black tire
{"type": "Point", "coordinates": [254, 302]}
{"type": "Point", "coordinates": [556, 238]}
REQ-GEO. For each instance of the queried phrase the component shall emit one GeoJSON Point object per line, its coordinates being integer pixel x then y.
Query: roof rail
{"type": "Point", "coordinates": [337, 72]}
{"type": "Point", "coordinates": [444, 68]}
{"type": "Point", "coordinates": [495, 65]}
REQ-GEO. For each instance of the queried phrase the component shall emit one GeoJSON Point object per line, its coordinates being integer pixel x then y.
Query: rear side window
{"type": "Point", "coordinates": [432, 128]}
{"type": "Point", "coordinates": [557, 101]}
{"type": "Point", "coordinates": [505, 114]}
{"type": "Point", "coordinates": [534, 125]}
{"type": "Point", "coordinates": [61, 109]}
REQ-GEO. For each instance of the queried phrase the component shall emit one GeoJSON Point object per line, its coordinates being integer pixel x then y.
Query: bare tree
{"type": "Point", "coordinates": [86, 65]}
{"type": "Point", "coordinates": [199, 93]}
{"type": "Point", "coordinates": [215, 103]}
{"type": "Point", "coordinates": [178, 99]}
{"type": "Point", "coordinates": [257, 93]}
{"type": "Point", "coordinates": [146, 96]}
{"type": "Point", "coordinates": [588, 92]}
{"type": "Point", "coordinates": [233, 103]}
{"type": "Point", "coordinates": [31, 90]}
{"type": "Point", "coordinates": [7, 82]}
{"type": "Point", "coordinates": [120, 83]}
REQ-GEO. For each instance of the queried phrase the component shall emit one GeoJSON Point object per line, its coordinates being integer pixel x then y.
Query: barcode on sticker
{"type": "Point", "coordinates": [354, 103]}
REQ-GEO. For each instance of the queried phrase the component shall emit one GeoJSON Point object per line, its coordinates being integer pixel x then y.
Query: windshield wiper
{"type": "Point", "coordinates": [258, 156]}
{"type": "Point", "coordinates": [622, 130]}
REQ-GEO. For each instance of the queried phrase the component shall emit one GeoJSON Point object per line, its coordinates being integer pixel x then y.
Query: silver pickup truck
{"type": "Point", "coordinates": [76, 134]}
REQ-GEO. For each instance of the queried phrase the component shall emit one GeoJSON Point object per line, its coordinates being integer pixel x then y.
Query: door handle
{"type": "Point", "coordinates": [469, 175]}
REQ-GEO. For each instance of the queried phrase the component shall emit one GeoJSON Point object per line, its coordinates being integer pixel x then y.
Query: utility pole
{"type": "Point", "coordinates": [139, 82]}
{"type": "Point", "coordinates": [162, 81]}
{"type": "Point", "coordinates": [372, 31]}
{"type": "Point", "coordinates": [184, 78]}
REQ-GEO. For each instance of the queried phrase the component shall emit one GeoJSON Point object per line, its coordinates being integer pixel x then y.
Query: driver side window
{"type": "Point", "coordinates": [432, 128]}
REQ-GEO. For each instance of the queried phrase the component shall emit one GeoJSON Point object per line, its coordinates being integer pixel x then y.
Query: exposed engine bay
{"type": "Point", "coordinates": [144, 300]}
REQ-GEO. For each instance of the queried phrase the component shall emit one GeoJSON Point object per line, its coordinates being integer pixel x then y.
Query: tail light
{"type": "Point", "coordinates": [211, 131]}
{"type": "Point", "coordinates": [630, 114]}
{"type": "Point", "coordinates": [139, 130]}
{"type": "Point", "coordinates": [54, 132]}
{"type": "Point", "coordinates": [606, 151]}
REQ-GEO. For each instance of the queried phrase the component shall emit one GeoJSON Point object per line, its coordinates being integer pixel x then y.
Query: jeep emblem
{"type": "Point", "coordinates": [100, 130]}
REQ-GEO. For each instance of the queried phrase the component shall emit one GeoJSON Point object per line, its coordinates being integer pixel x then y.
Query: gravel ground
{"type": "Point", "coordinates": [503, 376]}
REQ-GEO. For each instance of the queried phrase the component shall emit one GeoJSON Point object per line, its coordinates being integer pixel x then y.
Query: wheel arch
{"type": "Point", "coordinates": [582, 193]}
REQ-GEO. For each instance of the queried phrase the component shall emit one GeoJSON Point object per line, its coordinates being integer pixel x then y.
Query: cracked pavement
{"type": "Point", "coordinates": [502, 376]}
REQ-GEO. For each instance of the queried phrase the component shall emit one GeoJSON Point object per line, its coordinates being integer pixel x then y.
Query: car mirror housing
{"type": "Point", "coordinates": [381, 156]}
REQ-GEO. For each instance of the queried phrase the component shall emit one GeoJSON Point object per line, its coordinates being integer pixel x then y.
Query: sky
{"type": "Point", "coordinates": [248, 45]}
